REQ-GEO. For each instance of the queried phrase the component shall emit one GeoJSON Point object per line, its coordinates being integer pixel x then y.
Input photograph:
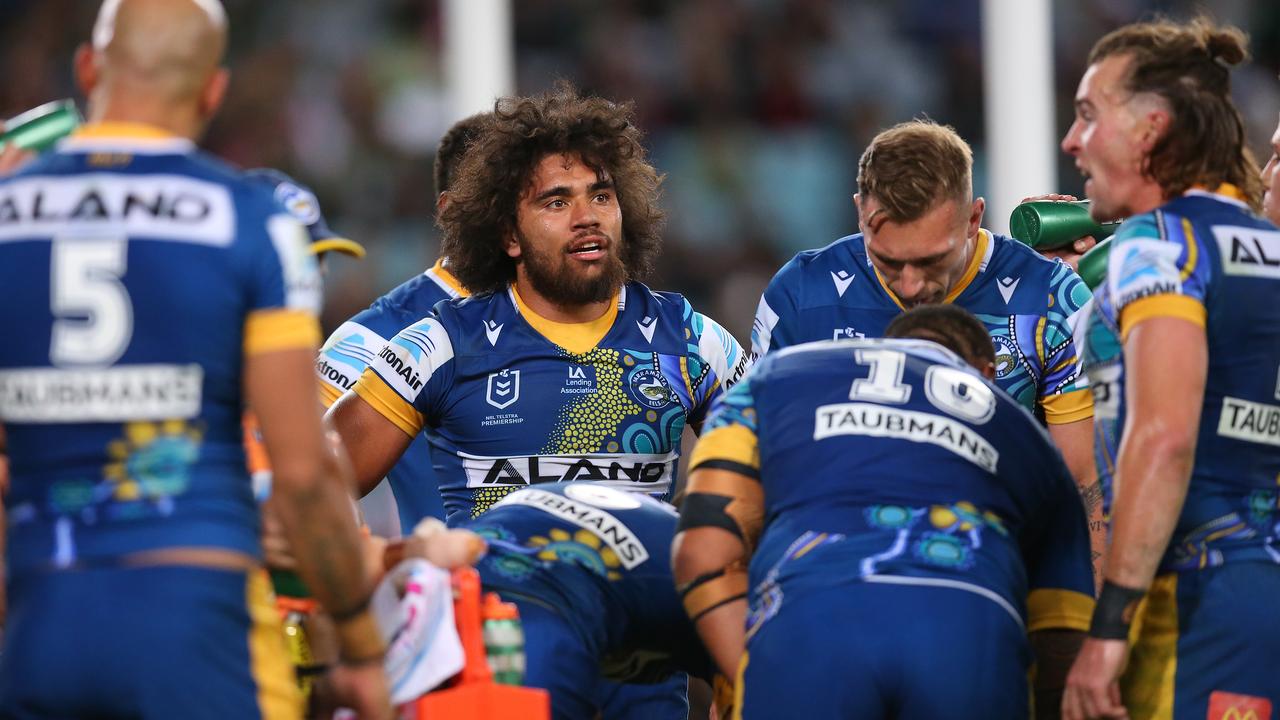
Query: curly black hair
{"type": "Point", "coordinates": [950, 326]}
{"type": "Point", "coordinates": [498, 167]}
{"type": "Point", "coordinates": [454, 145]}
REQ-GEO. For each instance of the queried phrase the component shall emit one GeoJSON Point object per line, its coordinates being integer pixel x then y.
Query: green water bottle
{"type": "Point", "coordinates": [1052, 224]}
{"type": "Point", "coordinates": [39, 128]}
{"type": "Point", "coordinates": [503, 640]}
{"type": "Point", "coordinates": [1093, 265]}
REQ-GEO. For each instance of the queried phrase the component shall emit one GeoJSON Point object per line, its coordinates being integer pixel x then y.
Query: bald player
{"type": "Point", "coordinates": [155, 292]}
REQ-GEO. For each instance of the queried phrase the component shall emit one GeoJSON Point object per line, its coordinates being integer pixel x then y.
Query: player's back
{"type": "Point", "coordinates": [905, 462]}
{"type": "Point", "coordinates": [601, 558]}
{"type": "Point", "coordinates": [137, 275]}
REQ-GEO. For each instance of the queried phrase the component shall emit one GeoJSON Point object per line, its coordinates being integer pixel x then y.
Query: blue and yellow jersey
{"type": "Point", "coordinates": [1207, 258]}
{"type": "Point", "coordinates": [355, 344]}
{"type": "Point", "coordinates": [1029, 304]}
{"type": "Point", "coordinates": [602, 559]}
{"type": "Point", "coordinates": [139, 274]}
{"type": "Point", "coordinates": [513, 399]}
{"type": "Point", "coordinates": [893, 461]}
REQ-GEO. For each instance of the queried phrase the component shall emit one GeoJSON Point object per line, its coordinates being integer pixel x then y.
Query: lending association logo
{"type": "Point", "coordinates": [581, 380]}
{"type": "Point", "coordinates": [503, 388]}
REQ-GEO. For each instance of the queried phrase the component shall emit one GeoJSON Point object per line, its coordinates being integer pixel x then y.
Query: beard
{"type": "Point", "coordinates": [554, 277]}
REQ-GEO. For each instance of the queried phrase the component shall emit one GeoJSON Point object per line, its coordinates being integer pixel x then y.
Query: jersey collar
{"type": "Point", "coordinates": [138, 138]}
{"type": "Point", "coordinates": [1225, 192]}
{"type": "Point", "coordinates": [577, 338]}
{"type": "Point", "coordinates": [981, 255]}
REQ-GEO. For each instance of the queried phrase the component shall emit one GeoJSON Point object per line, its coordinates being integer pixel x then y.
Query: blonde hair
{"type": "Point", "coordinates": [913, 166]}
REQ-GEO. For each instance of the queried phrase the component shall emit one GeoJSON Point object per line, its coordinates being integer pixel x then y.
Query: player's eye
{"type": "Point", "coordinates": [603, 197]}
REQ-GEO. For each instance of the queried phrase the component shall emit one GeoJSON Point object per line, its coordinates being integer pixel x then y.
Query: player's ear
{"type": "Point", "coordinates": [86, 68]}
{"type": "Point", "coordinates": [213, 92]}
{"type": "Point", "coordinates": [511, 245]}
{"type": "Point", "coordinates": [976, 208]}
{"type": "Point", "coordinates": [862, 215]}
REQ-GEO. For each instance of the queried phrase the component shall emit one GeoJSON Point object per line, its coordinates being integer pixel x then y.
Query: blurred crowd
{"type": "Point", "coordinates": [756, 110]}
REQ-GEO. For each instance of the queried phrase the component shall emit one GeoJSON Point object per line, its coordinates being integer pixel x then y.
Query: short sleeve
{"type": "Point", "coordinates": [772, 328]}
{"type": "Point", "coordinates": [1157, 268]}
{"type": "Point", "coordinates": [712, 348]}
{"type": "Point", "coordinates": [410, 373]}
{"type": "Point", "coordinates": [284, 288]}
{"type": "Point", "coordinates": [1064, 393]}
{"type": "Point", "coordinates": [344, 356]}
{"type": "Point", "coordinates": [730, 438]}
{"type": "Point", "coordinates": [1057, 552]}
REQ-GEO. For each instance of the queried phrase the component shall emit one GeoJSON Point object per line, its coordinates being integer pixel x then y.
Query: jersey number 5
{"type": "Point", "coordinates": [93, 316]}
{"type": "Point", "coordinates": [949, 389]}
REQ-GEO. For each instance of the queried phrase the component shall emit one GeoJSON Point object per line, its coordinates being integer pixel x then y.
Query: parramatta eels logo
{"type": "Point", "coordinates": [650, 388]}
{"type": "Point", "coordinates": [1006, 356]}
{"type": "Point", "coordinates": [300, 203]}
{"type": "Point", "coordinates": [581, 548]}
{"type": "Point", "coordinates": [152, 461]}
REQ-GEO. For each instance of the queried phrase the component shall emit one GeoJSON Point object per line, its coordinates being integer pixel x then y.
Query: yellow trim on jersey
{"type": "Point", "coordinates": [1148, 682]}
{"type": "Point", "coordinates": [1070, 407]}
{"type": "Point", "coordinates": [346, 246]}
{"type": "Point", "coordinates": [735, 443]}
{"type": "Point", "coordinates": [889, 292]}
{"type": "Point", "coordinates": [440, 273]}
{"type": "Point", "coordinates": [1230, 191]}
{"type": "Point", "coordinates": [375, 391]}
{"type": "Point", "coordinates": [577, 338]}
{"type": "Point", "coordinates": [1189, 234]}
{"type": "Point", "coordinates": [273, 674]}
{"type": "Point", "coordinates": [1040, 325]}
{"type": "Point", "coordinates": [329, 394]}
{"type": "Point", "coordinates": [971, 272]}
{"type": "Point", "coordinates": [280, 329]}
{"type": "Point", "coordinates": [738, 689]}
{"type": "Point", "coordinates": [1162, 305]}
{"type": "Point", "coordinates": [1057, 608]}
{"type": "Point", "coordinates": [122, 130]}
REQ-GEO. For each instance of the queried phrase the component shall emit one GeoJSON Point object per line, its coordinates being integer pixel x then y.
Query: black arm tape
{"type": "Point", "coordinates": [729, 465]}
{"type": "Point", "coordinates": [712, 589]}
{"type": "Point", "coordinates": [1114, 611]}
{"type": "Point", "coordinates": [707, 510]}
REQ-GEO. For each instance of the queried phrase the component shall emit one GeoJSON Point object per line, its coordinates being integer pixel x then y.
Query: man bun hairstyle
{"type": "Point", "coordinates": [1188, 65]}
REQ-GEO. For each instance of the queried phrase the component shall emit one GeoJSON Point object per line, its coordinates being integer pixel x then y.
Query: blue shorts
{"type": "Point", "coordinates": [561, 661]}
{"type": "Point", "coordinates": [153, 642]}
{"type": "Point", "coordinates": [1208, 643]}
{"type": "Point", "coordinates": [873, 651]}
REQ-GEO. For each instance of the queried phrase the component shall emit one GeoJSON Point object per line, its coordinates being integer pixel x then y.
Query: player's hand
{"type": "Point", "coordinates": [11, 158]}
{"type": "Point", "coordinates": [1069, 254]}
{"type": "Point", "coordinates": [1093, 689]}
{"type": "Point", "coordinates": [361, 688]}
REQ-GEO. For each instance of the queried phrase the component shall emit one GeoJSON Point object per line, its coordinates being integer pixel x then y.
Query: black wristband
{"type": "Point", "coordinates": [1113, 614]}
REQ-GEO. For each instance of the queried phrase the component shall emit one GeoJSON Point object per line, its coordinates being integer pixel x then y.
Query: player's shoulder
{"type": "Point", "coordinates": [1021, 274]}
{"type": "Point", "coordinates": [836, 255]}
{"type": "Point", "coordinates": [403, 305]}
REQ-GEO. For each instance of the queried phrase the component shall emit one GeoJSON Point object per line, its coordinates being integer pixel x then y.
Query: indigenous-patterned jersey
{"type": "Point", "coordinates": [892, 461]}
{"type": "Point", "coordinates": [1207, 258]}
{"type": "Point", "coordinates": [513, 399]}
{"type": "Point", "coordinates": [356, 343]}
{"type": "Point", "coordinates": [138, 273]}
{"type": "Point", "coordinates": [1029, 304]}
{"type": "Point", "coordinates": [601, 558]}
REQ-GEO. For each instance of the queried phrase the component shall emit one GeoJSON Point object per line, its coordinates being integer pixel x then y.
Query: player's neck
{"type": "Point", "coordinates": [179, 122]}
{"type": "Point", "coordinates": [558, 312]}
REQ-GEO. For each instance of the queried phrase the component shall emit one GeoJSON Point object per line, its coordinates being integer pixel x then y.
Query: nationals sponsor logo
{"type": "Point", "coordinates": [622, 471]}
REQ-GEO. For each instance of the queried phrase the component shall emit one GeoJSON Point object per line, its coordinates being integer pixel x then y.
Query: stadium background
{"type": "Point", "coordinates": [757, 110]}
